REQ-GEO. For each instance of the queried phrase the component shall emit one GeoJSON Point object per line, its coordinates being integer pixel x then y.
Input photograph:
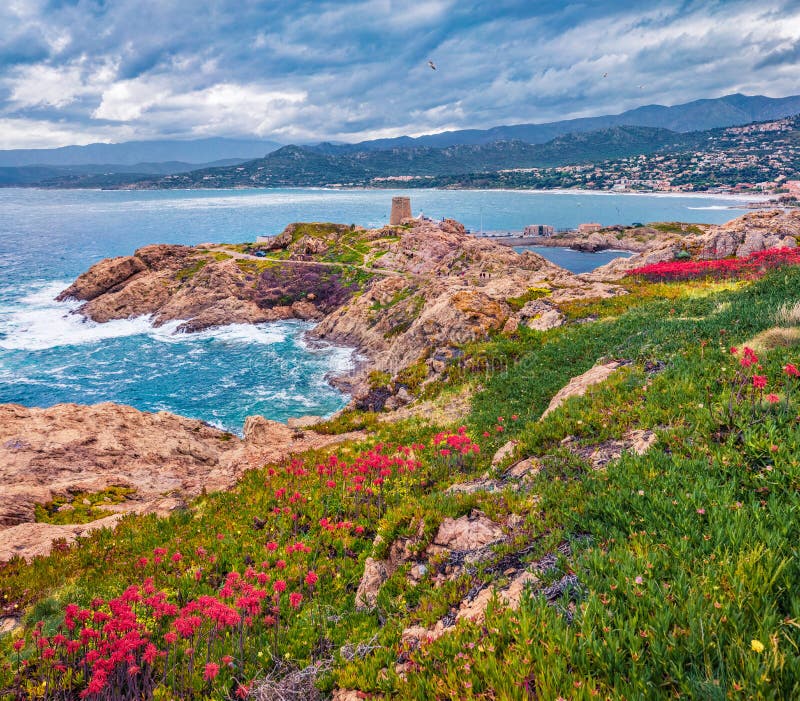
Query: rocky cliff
{"type": "Point", "coordinates": [157, 461]}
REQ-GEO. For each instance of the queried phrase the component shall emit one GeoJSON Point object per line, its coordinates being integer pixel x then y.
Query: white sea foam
{"type": "Point", "coordinates": [38, 322]}
{"type": "Point", "coordinates": [712, 207]}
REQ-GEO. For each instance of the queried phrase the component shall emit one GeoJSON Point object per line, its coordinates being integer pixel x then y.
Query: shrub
{"type": "Point", "coordinates": [754, 265]}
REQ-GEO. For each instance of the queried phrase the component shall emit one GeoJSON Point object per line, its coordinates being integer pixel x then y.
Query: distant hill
{"type": "Point", "coordinates": [98, 175]}
{"type": "Point", "coordinates": [700, 115]}
{"type": "Point", "coordinates": [193, 152]}
{"type": "Point", "coordinates": [310, 166]}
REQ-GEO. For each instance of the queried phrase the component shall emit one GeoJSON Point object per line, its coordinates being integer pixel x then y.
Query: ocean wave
{"type": "Point", "coordinates": [38, 322]}
{"type": "Point", "coordinates": [713, 207]}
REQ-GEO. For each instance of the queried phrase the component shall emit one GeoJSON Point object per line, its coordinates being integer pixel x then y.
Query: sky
{"type": "Point", "coordinates": [82, 71]}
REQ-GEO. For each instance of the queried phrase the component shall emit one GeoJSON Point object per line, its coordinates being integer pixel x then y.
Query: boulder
{"type": "Point", "coordinates": [468, 532]}
{"type": "Point", "coordinates": [524, 469]}
{"type": "Point", "coordinates": [261, 431]}
{"type": "Point", "coordinates": [578, 386]}
{"type": "Point", "coordinates": [374, 576]}
{"type": "Point", "coordinates": [504, 452]}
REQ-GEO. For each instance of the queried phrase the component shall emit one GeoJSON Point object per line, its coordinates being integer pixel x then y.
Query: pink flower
{"type": "Point", "coordinates": [311, 578]}
{"type": "Point", "coordinates": [211, 671]}
{"type": "Point", "coordinates": [773, 398]}
{"type": "Point", "coordinates": [791, 370]}
{"type": "Point", "coordinates": [759, 381]}
{"type": "Point", "coordinates": [295, 599]}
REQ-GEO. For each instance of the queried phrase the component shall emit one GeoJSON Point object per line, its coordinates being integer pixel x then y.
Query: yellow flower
{"type": "Point", "coordinates": [757, 645]}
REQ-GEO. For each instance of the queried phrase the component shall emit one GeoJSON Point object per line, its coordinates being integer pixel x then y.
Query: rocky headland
{"type": "Point", "coordinates": [399, 294]}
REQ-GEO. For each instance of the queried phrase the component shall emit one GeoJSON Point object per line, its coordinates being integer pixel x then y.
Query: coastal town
{"type": "Point", "coordinates": [759, 158]}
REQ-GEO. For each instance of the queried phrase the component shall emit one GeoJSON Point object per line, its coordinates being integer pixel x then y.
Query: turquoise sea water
{"type": "Point", "coordinates": [48, 355]}
{"type": "Point", "coordinates": [576, 261]}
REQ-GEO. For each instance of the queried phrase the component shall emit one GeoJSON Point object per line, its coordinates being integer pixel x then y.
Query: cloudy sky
{"type": "Point", "coordinates": [78, 71]}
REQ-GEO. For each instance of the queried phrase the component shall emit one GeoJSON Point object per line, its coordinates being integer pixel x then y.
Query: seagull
{"type": "Point", "coordinates": [605, 75]}
{"type": "Point", "coordinates": [432, 65]}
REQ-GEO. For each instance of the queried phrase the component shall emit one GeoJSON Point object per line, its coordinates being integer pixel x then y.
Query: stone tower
{"type": "Point", "coordinates": [401, 209]}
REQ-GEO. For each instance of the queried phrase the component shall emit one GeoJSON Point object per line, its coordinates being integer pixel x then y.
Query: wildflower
{"type": "Point", "coordinates": [639, 580]}
{"type": "Point", "coordinates": [791, 370]}
{"type": "Point", "coordinates": [701, 511]}
{"type": "Point", "coordinates": [773, 398]}
{"type": "Point", "coordinates": [757, 646]}
{"type": "Point", "coordinates": [243, 691]}
{"type": "Point", "coordinates": [311, 578]}
{"type": "Point", "coordinates": [279, 586]}
{"type": "Point", "coordinates": [759, 381]}
{"type": "Point", "coordinates": [734, 350]}
{"type": "Point", "coordinates": [295, 599]}
{"type": "Point", "coordinates": [211, 671]}
{"type": "Point", "coordinates": [19, 644]}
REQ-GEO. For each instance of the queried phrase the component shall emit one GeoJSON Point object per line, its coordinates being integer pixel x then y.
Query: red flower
{"type": "Point", "coordinates": [242, 691]}
{"type": "Point", "coordinates": [211, 671]}
{"type": "Point", "coordinates": [759, 381]}
{"type": "Point", "coordinates": [311, 578]}
{"type": "Point", "coordinates": [773, 398]}
{"type": "Point", "coordinates": [791, 370]}
{"type": "Point", "coordinates": [295, 599]}
{"type": "Point", "coordinates": [279, 586]}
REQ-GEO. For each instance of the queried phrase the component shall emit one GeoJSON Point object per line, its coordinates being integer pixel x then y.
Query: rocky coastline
{"type": "Point", "coordinates": [405, 297]}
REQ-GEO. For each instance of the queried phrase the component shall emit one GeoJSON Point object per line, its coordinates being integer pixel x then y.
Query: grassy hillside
{"type": "Point", "coordinates": [676, 569]}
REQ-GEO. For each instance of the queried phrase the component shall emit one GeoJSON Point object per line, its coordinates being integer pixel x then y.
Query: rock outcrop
{"type": "Point", "coordinates": [578, 386]}
{"type": "Point", "coordinates": [751, 233]}
{"type": "Point", "coordinates": [164, 460]}
{"type": "Point", "coordinates": [392, 292]}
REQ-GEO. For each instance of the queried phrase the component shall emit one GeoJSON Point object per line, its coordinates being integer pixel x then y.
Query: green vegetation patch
{"type": "Point", "coordinates": [190, 271]}
{"type": "Point", "coordinates": [674, 227]}
{"type": "Point", "coordinates": [532, 293]}
{"type": "Point", "coordinates": [82, 507]}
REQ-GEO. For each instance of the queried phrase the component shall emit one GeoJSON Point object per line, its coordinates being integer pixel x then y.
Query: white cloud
{"type": "Point", "coordinates": [46, 86]}
{"type": "Point", "coordinates": [41, 133]}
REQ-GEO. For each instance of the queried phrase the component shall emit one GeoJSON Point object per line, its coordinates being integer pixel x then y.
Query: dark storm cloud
{"type": "Point", "coordinates": [81, 70]}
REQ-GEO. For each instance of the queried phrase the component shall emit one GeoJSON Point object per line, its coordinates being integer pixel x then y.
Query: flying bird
{"type": "Point", "coordinates": [432, 65]}
{"type": "Point", "coordinates": [605, 75]}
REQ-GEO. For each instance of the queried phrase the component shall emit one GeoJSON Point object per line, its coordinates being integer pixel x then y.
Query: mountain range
{"type": "Point", "coordinates": [222, 162]}
{"type": "Point", "coordinates": [128, 153]}
{"type": "Point", "coordinates": [699, 115]}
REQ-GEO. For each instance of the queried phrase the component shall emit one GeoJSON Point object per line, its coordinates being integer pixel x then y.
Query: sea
{"type": "Point", "coordinates": [49, 354]}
